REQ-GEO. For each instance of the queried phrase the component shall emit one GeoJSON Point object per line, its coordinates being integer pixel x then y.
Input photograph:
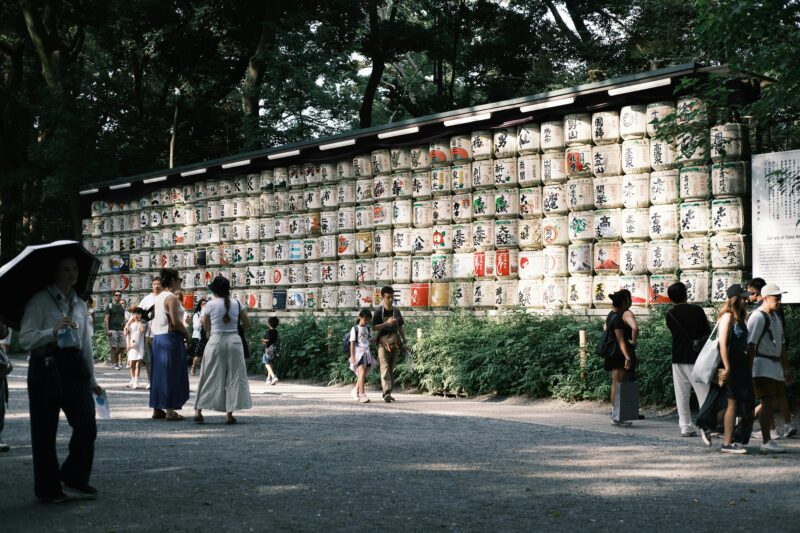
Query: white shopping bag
{"type": "Point", "coordinates": [101, 405]}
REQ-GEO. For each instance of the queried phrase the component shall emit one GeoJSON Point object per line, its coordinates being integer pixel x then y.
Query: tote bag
{"type": "Point", "coordinates": [705, 368]}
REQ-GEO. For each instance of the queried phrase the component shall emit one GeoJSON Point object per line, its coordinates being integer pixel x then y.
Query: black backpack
{"type": "Point", "coordinates": [607, 346]}
{"type": "Point", "coordinates": [346, 340]}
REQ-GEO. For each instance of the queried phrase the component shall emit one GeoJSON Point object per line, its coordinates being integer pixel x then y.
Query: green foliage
{"type": "Point", "coordinates": [100, 343]}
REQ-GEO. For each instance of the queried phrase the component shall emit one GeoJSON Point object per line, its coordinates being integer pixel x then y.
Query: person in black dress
{"type": "Point", "coordinates": [626, 331]}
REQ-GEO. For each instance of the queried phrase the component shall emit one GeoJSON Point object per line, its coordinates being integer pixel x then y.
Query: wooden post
{"type": "Point", "coordinates": [582, 346]}
{"type": "Point", "coordinates": [419, 334]}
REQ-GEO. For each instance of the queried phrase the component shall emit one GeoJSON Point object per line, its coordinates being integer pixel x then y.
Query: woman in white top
{"type": "Point", "coordinates": [223, 377]}
{"type": "Point", "coordinates": [199, 336]}
{"type": "Point", "coordinates": [169, 377]}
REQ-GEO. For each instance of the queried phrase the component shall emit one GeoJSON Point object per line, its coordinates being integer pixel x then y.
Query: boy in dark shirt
{"type": "Point", "coordinates": [387, 323]}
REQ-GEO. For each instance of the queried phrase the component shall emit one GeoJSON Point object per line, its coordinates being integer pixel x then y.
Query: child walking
{"type": "Point", "coordinates": [271, 349]}
{"type": "Point", "coordinates": [135, 346]}
{"type": "Point", "coordinates": [361, 361]}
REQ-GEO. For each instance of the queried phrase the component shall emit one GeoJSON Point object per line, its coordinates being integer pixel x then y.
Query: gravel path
{"type": "Point", "coordinates": [308, 458]}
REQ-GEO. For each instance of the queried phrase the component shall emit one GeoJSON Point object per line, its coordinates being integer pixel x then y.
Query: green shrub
{"type": "Point", "coordinates": [100, 343]}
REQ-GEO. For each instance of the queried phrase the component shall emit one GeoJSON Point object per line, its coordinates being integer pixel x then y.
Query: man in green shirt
{"type": "Point", "coordinates": [115, 324]}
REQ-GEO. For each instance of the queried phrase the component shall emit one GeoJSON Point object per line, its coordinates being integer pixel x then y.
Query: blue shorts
{"type": "Point", "coordinates": [265, 359]}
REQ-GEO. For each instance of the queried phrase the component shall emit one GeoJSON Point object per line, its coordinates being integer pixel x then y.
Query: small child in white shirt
{"type": "Point", "coordinates": [361, 361]}
{"type": "Point", "coordinates": [135, 345]}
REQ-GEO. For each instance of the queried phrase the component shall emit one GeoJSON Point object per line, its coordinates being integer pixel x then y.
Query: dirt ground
{"type": "Point", "coordinates": [308, 458]}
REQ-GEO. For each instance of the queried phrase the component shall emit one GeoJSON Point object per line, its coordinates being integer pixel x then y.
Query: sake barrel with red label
{"type": "Point", "coordinates": [462, 238]}
{"type": "Point", "coordinates": [401, 269]}
{"type": "Point", "coordinates": [420, 157]}
{"type": "Point", "coordinates": [506, 263]}
{"type": "Point", "coordinates": [440, 152]}
{"type": "Point", "coordinates": [482, 174]}
{"type": "Point", "coordinates": [691, 149]}
{"type": "Point", "coordinates": [552, 136]}
{"type": "Point", "coordinates": [441, 267]}
{"type": "Point", "coordinates": [383, 269]}
{"type": "Point", "coordinates": [554, 199]}
{"type": "Point", "coordinates": [580, 194]}
{"type": "Point", "coordinates": [402, 185]}
{"type": "Point", "coordinates": [420, 269]}
{"type": "Point", "coordinates": [602, 288]}
{"type": "Point", "coordinates": [608, 192]}
{"type": "Point", "coordinates": [528, 170]}
{"type": "Point", "coordinates": [441, 180]}
{"type": "Point", "coordinates": [694, 183]}
{"type": "Point", "coordinates": [694, 218]}
{"type": "Point", "coordinates": [422, 241]}
{"type": "Point", "coordinates": [345, 195]}
{"type": "Point", "coordinates": [636, 156]}
{"type": "Point", "coordinates": [483, 264]}
{"type": "Point", "coordinates": [530, 202]}
{"type": "Point", "coordinates": [662, 154]}
{"type": "Point", "coordinates": [505, 233]}
{"type": "Point", "coordinates": [554, 261]}
{"type": "Point", "coordinates": [483, 294]}
{"type": "Point", "coordinates": [607, 257]}
{"type": "Point", "coordinates": [664, 221]}
{"type": "Point", "coordinates": [656, 113]}
{"type": "Point", "coordinates": [608, 224]}
{"type": "Point", "coordinates": [460, 148]}
{"type": "Point", "coordinates": [729, 251]}
{"type": "Point", "coordinates": [721, 280]}
{"type": "Point", "coordinates": [554, 169]}
{"type": "Point", "coordinates": [531, 264]}
{"type": "Point", "coordinates": [605, 127]}
{"type": "Point", "coordinates": [636, 190]}
{"type": "Point", "coordinates": [662, 256]}
{"type": "Point", "coordinates": [441, 209]}
{"type": "Point", "coordinates": [727, 215]}
{"type": "Point", "coordinates": [365, 271]}
{"type": "Point", "coordinates": [730, 179]}
{"type": "Point", "coordinates": [401, 213]}
{"type": "Point", "coordinates": [529, 293]}
{"type": "Point", "coordinates": [659, 283]}
{"type": "Point", "coordinates": [382, 187]}
{"type": "Point", "coordinates": [529, 234]}
{"type": "Point", "coordinates": [639, 288]}
{"type": "Point", "coordinates": [346, 245]}
{"type": "Point", "coordinates": [442, 238]}
{"type": "Point", "coordinates": [579, 292]}
{"type": "Point", "coordinates": [633, 122]}
{"type": "Point", "coordinates": [483, 204]}
{"type": "Point", "coordinates": [577, 129]}
{"type": "Point", "coordinates": [554, 293]}
{"type": "Point", "coordinates": [400, 159]}
{"type": "Point", "coordinates": [504, 141]}
{"type": "Point", "coordinates": [727, 142]}
{"type": "Point", "coordinates": [694, 253]}
{"type": "Point", "coordinates": [633, 258]}
{"type": "Point", "coordinates": [697, 286]}
{"type": "Point", "coordinates": [481, 142]}
{"type": "Point", "coordinates": [461, 178]}
{"type": "Point", "coordinates": [528, 139]}
{"type": "Point", "coordinates": [581, 226]}
{"type": "Point", "coordinates": [555, 231]}
{"type": "Point", "coordinates": [402, 240]}
{"type": "Point", "coordinates": [382, 242]}
{"type": "Point", "coordinates": [578, 161]}
{"type": "Point", "coordinates": [607, 160]}
{"type": "Point", "coordinates": [635, 224]}
{"type": "Point", "coordinates": [347, 297]}
{"type": "Point", "coordinates": [280, 275]}
{"type": "Point", "coordinates": [664, 187]}
{"type": "Point", "coordinates": [579, 258]}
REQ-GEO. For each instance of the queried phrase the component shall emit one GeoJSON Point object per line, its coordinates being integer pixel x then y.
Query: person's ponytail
{"type": "Point", "coordinates": [227, 317]}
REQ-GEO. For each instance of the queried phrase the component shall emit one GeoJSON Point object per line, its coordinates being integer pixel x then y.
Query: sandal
{"type": "Point", "coordinates": [230, 421]}
{"type": "Point", "coordinates": [159, 413]}
{"type": "Point", "coordinates": [174, 418]}
{"type": "Point", "coordinates": [199, 419]}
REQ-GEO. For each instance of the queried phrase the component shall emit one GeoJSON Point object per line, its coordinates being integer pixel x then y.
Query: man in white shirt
{"type": "Point", "coordinates": [147, 304]}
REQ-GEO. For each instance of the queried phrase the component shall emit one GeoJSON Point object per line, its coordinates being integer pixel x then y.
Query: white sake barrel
{"type": "Point", "coordinates": [166, 216]}
{"type": "Point", "coordinates": [607, 257]}
{"type": "Point", "coordinates": [280, 275]}
{"type": "Point", "coordinates": [727, 215]}
{"type": "Point", "coordinates": [636, 190]}
{"type": "Point", "coordinates": [421, 184]}
{"type": "Point", "coordinates": [383, 269]}
{"type": "Point", "coordinates": [662, 256]}
{"type": "Point", "coordinates": [344, 169]}
{"type": "Point", "coordinates": [281, 251]}
{"type": "Point", "coordinates": [345, 194]}
{"type": "Point", "coordinates": [266, 181]}
{"type": "Point", "coordinates": [528, 139]}
{"type": "Point", "coordinates": [730, 179]}
{"type": "Point", "coordinates": [328, 298]}
{"type": "Point", "coordinates": [462, 266]}
{"type": "Point", "coordinates": [552, 136]}
{"type": "Point", "coordinates": [297, 177]}
{"type": "Point", "coordinates": [691, 149]}
{"type": "Point", "coordinates": [441, 180]}
{"type": "Point", "coordinates": [295, 299]}
{"type": "Point", "coordinates": [483, 294]}
{"type": "Point", "coordinates": [530, 202]}
{"type": "Point", "coordinates": [346, 219]}
{"type": "Point", "coordinates": [693, 253]}
{"type": "Point", "coordinates": [267, 204]}
{"type": "Point", "coordinates": [608, 224]}
{"type": "Point", "coordinates": [297, 226]}
{"type": "Point", "coordinates": [365, 271]}
{"type": "Point", "coordinates": [328, 246]}
{"type": "Point", "coordinates": [580, 194]}
{"type": "Point", "coordinates": [554, 261]}
{"type": "Point", "coordinates": [364, 191]}
{"type": "Point", "coordinates": [507, 203]}
{"type": "Point", "coordinates": [401, 213]}
{"type": "Point", "coordinates": [505, 293]}
{"type": "Point", "coordinates": [213, 212]}
{"type": "Point", "coordinates": [346, 297]}
{"type": "Point", "coordinates": [657, 112]}
{"type": "Point", "coordinates": [328, 173]}
{"type": "Point", "coordinates": [481, 142]}
{"type": "Point", "coordinates": [505, 172]}
{"type": "Point", "coordinates": [461, 176]}
{"type": "Point", "coordinates": [505, 233]}
{"type": "Point", "coordinates": [439, 150]}
{"type": "Point", "coordinates": [365, 244]}
{"type": "Point", "coordinates": [402, 185]}
{"type": "Point", "coordinates": [721, 280]}
{"type": "Point", "coordinates": [579, 258]}
{"type": "Point", "coordinates": [554, 168]}
{"type": "Point", "coordinates": [441, 267]}
{"type": "Point", "coordinates": [664, 187]}
{"type": "Point", "coordinates": [482, 174]}
{"type": "Point", "coordinates": [602, 288]}
{"type": "Point", "coordinates": [691, 109]}
{"type": "Point", "coordinates": [362, 166]}
{"type": "Point", "coordinates": [295, 250]}
{"type": "Point", "coordinates": [461, 295]}
{"type": "Point", "coordinates": [635, 224]}
{"type": "Point", "coordinates": [346, 271]}
{"type": "Point", "coordinates": [311, 250]}
{"type": "Point", "coordinates": [579, 292]}
{"type": "Point", "coordinates": [529, 233]}
{"type": "Point", "coordinates": [401, 269]}
{"type": "Point", "coordinates": [554, 199]}
{"type": "Point", "coordinates": [420, 269]}
{"type": "Point", "coordinates": [607, 160]}
{"type": "Point", "coordinates": [555, 231]}
{"type": "Point", "coordinates": [483, 234]}
{"type": "Point", "coordinates": [239, 230]}
{"type": "Point", "coordinates": [382, 187]}
{"type": "Point", "coordinates": [529, 294]}
{"type": "Point", "coordinates": [252, 251]}
{"type": "Point", "coordinates": [422, 214]}
{"type": "Point", "coordinates": [577, 129]}
{"type": "Point", "coordinates": [442, 238]}
{"type": "Point", "coordinates": [554, 293]}
{"type": "Point", "coordinates": [167, 240]}
{"type": "Point", "coordinates": [212, 189]}
{"type": "Point", "coordinates": [312, 200]}
{"type": "Point", "coordinates": [483, 264]}
{"type": "Point", "coordinates": [441, 209]}
{"type": "Point", "coordinates": [212, 234]}
{"type": "Point", "coordinates": [462, 238]}
{"type": "Point", "coordinates": [528, 170]}
{"type": "Point", "coordinates": [461, 207]}
{"type": "Point", "coordinates": [694, 218]}
{"type": "Point", "coordinates": [694, 183]}
{"type": "Point", "coordinates": [311, 274]}
{"type": "Point", "coordinates": [329, 222]}
{"type": "Point", "coordinates": [266, 229]}
{"type": "Point", "coordinates": [329, 196]}
{"type": "Point", "coordinates": [460, 148]}
{"type": "Point", "coordinates": [727, 142]}
{"type": "Point", "coordinates": [282, 203]}
{"type": "Point", "coordinates": [116, 224]}
{"type": "Point", "coordinates": [382, 215]}
{"type": "Point", "coordinates": [605, 127]}
{"type": "Point", "coordinates": [638, 286]}
{"type": "Point", "coordinates": [633, 122]}
{"type": "Point", "coordinates": [581, 226]}
{"type": "Point", "coordinates": [364, 220]}
{"type": "Point", "coordinates": [402, 240]}
{"type": "Point", "coordinates": [346, 245]}
{"type": "Point", "coordinates": [662, 154]}
{"type": "Point", "coordinates": [729, 251]}
{"type": "Point", "coordinates": [329, 272]}
{"type": "Point", "coordinates": [504, 141]}
{"type": "Point", "coordinates": [664, 221]}
{"type": "Point", "coordinates": [697, 286]}
{"type": "Point", "coordinates": [400, 159]}
{"type": "Point", "coordinates": [382, 242]}
{"type": "Point", "coordinates": [633, 258]}
{"type": "Point", "coordinates": [531, 264]}
{"type": "Point", "coordinates": [636, 156]}
{"type": "Point", "coordinates": [608, 192]}
{"type": "Point", "coordinates": [483, 204]}
{"type": "Point", "coordinates": [578, 160]}
{"type": "Point", "coordinates": [381, 161]}
{"type": "Point", "coordinates": [659, 283]}
{"type": "Point", "coordinates": [226, 187]}
{"type": "Point", "coordinates": [422, 241]}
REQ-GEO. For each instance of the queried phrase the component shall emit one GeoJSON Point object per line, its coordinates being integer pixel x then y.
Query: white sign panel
{"type": "Point", "coordinates": [776, 212]}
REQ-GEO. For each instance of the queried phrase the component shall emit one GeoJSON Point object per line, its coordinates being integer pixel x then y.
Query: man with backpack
{"type": "Point", "coordinates": [689, 327]}
{"type": "Point", "coordinates": [387, 323]}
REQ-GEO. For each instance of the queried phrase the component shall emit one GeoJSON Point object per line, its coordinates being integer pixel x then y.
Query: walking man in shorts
{"type": "Point", "coordinates": [115, 324]}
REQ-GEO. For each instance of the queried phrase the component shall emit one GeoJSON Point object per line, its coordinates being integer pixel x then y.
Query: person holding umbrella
{"type": "Point", "coordinates": [56, 329]}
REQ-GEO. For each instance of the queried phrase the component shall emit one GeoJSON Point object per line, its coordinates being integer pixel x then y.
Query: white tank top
{"type": "Point", "coordinates": [160, 324]}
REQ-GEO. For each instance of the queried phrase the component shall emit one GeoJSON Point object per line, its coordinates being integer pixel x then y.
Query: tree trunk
{"type": "Point", "coordinates": [251, 88]}
{"type": "Point", "coordinates": [376, 48]}
{"type": "Point", "coordinates": [454, 57]}
{"type": "Point", "coordinates": [174, 135]}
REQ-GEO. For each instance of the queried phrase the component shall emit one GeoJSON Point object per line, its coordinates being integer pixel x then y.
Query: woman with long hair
{"type": "Point", "coordinates": [626, 331]}
{"type": "Point", "coordinates": [169, 385]}
{"type": "Point", "coordinates": [223, 383]}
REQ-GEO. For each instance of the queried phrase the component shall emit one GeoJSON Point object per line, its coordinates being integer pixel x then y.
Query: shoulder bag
{"type": "Point", "coordinates": [240, 330]}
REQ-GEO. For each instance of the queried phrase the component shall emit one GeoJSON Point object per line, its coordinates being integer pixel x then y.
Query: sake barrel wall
{"type": "Point", "coordinates": [545, 215]}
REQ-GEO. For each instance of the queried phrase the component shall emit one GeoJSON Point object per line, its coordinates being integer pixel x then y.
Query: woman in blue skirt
{"type": "Point", "coordinates": [169, 379]}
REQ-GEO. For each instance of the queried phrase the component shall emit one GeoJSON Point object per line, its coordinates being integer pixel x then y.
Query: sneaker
{"type": "Point", "coordinates": [4, 447]}
{"type": "Point", "coordinates": [354, 393]}
{"type": "Point", "coordinates": [130, 385]}
{"type": "Point", "coordinates": [689, 433]}
{"type": "Point", "coordinates": [625, 424]}
{"type": "Point", "coordinates": [364, 399]}
{"type": "Point", "coordinates": [82, 492]}
{"type": "Point", "coordinates": [773, 434]}
{"type": "Point", "coordinates": [734, 447]}
{"type": "Point", "coordinates": [771, 447]}
{"type": "Point", "coordinates": [147, 387]}
{"type": "Point", "coordinates": [789, 431]}
{"type": "Point", "coordinates": [135, 383]}
{"type": "Point", "coordinates": [58, 498]}
{"type": "Point", "coordinates": [274, 381]}
{"type": "Point", "coordinates": [269, 381]}
{"type": "Point", "coordinates": [388, 398]}
{"type": "Point", "coordinates": [706, 436]}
